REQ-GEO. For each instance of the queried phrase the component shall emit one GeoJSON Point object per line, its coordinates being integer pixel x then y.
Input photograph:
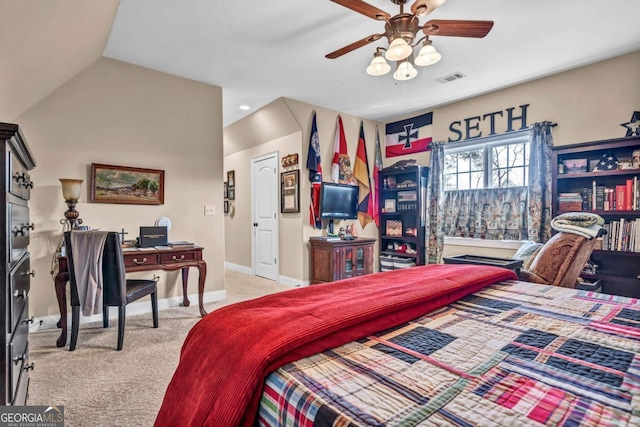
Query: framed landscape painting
{"type": "Point", "coordinates": [126, 185]}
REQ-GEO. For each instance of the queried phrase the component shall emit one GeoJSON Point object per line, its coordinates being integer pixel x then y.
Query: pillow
{"type": "Point", "coordinates": [526, 250]}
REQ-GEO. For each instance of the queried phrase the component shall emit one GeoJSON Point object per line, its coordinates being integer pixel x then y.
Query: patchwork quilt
{"type": "Point", "coordinates": [512, 354]}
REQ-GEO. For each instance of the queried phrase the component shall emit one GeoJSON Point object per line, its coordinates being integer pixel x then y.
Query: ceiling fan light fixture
{"type": "Point", "coordinates": [378, 66]}
{"type": "Point", "coordinates": [428, 55]}
{"type": "Point", "coordinates": [405, 71]}
{"type": "Point", "coordinates": [398, 50]}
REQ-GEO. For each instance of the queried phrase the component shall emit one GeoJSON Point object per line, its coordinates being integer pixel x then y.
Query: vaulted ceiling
{"type": "Point", "coordinates": [260, 50]}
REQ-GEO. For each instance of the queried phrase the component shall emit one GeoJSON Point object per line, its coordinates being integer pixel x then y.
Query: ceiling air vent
{"type": "Point", "coordinates": [451, 77]}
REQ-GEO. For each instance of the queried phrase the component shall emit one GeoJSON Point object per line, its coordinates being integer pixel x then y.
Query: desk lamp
{"type": "Point", "coordinates": [71, 193]}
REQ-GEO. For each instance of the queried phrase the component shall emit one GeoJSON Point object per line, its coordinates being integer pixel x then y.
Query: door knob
{"type": "Point", "coordinates": [255, 224]}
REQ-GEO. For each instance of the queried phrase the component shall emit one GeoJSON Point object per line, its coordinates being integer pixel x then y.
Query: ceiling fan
{"type": "Point", "coordinates": [401, 30]}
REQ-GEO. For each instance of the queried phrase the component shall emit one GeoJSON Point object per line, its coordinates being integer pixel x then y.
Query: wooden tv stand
{"type": "Point", "coordinates": [333, 260]}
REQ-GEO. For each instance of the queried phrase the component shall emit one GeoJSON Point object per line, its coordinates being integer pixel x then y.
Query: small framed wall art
{"type": "Point", "coordinates": [290, 191]}
{"type": "Point", "coordinates": [231, 179]}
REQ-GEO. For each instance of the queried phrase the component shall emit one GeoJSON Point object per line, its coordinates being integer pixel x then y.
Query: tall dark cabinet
{"type": "Point", "coordinates": [16, 269]}
{"type": "Point", "coordinates": [613, 193]}
{"type": "Point", "coordinates": [402, 207]}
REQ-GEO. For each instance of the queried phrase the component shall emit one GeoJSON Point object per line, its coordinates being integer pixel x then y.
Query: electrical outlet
{"type": "Point", "coordinates": [209, 210]}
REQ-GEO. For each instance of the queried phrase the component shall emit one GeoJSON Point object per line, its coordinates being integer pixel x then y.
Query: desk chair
{"type": "Point", "coordinates": [559, 262]}
{"type": "Point", "coordinates": [117, 290]}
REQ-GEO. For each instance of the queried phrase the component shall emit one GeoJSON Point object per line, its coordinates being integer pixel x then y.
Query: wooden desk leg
{"type": "Point", "coordinates": [202, 269]}
{"type": "Point", "coordinates": [60, 285]}
{"type": "Point", "coordinates": [185, 280]}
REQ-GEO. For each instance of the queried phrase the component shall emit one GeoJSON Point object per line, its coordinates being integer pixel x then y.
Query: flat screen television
{"type": "Point", "coordinates": [338, 201]}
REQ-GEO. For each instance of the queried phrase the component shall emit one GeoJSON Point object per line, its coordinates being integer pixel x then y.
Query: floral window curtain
{"type": "Point", "coordinates": [539, 197]}
{"type": "Point", "coordinates": [492, 213]}
{"type": "Point", "coordinates": [435, 196]}
{"type": "Point", "coordinates": [512, 213]}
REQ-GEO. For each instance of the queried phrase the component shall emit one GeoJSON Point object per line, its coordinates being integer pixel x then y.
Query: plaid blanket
{"type": "Point", "coordinates": [512, 354]}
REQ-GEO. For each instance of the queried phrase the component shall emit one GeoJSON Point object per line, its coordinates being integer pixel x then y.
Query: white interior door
{"type": "Point", "coordinates": [264, 190]}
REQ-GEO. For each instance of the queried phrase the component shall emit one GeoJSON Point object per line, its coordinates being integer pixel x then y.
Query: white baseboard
{"type": "Point", "coordinates": [283, 280]}
{"type": "Point", "coordinates": [239, 268]}
{"type": "Point", "coordinates": [139, 307]}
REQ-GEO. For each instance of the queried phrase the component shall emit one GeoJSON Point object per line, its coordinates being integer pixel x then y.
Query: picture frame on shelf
{"type": "Point", "coordinates": [126, 185]}
{"type": "Point", "coordinates": [393, 228]}
{"type": "Point", "coordinates": [290, 191]}
{"type": "Point", "coordinates": [389, 205]}
{"type": "Point", "coordinates": [575, 166]}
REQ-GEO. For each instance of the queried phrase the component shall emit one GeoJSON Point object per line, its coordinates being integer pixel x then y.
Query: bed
{"type": "Point", "coordinates": [431, 346]}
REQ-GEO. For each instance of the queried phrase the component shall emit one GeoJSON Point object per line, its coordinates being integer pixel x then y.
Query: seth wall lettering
{"type": "Point", "coordinates": [471, 128]}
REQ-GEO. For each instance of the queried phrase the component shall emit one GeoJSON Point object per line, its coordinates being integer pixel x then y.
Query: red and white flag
{"type": "Point", "coordinates": [409, 136]}
{"type": "Point", "coordinates": [341, 164]}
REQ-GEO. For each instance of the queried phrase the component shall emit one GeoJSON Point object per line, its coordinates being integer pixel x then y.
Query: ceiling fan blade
{"type": "Point", "coordinates": [425, 7]}
{"type": "Point", "coordinates": [445, 27]}
{"type": "Point", "coordinates": [364, 8]}
{"type": "Point", "coordinates": [353, 46]}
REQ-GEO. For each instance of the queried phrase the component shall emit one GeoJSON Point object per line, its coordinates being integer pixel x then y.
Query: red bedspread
{"type": "Point", "coordinates": [227, 355]}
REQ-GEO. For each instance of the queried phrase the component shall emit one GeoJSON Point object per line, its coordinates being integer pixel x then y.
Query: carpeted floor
{"type": "Point", "coordinates": [99, 386]}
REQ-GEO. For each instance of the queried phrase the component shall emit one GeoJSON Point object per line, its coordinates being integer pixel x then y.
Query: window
{"type": "Point", "coordinates": [494, 162]}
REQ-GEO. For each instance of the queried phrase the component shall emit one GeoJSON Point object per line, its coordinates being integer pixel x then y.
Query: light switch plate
{"type": "Point", "coordinates": [209, 210]}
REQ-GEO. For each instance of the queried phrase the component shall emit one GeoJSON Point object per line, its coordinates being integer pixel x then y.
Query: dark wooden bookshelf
{"type": "Point", "coordinates": [618, 270]}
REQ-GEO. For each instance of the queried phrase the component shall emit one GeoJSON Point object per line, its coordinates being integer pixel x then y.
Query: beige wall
{"type": "Point", "coordinates": [238, 229]}
{"type": "Point", "coordinates": [588, 103]}
{"type": "Point", "coordinates": [121, 114]}
{"type": "Point", "coordinates": [45, 43]}
{"type": "Point", "coordinates": [280, 118]}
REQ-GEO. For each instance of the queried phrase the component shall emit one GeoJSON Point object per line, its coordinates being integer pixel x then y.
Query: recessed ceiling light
{"type": "Point", "coordinates": [244, 107]}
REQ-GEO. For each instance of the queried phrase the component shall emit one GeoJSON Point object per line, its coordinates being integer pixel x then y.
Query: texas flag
{"type": "Point", "coordinates": [409, 136]}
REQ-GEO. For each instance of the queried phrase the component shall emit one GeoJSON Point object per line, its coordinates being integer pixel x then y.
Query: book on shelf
{"type": "Point", "coordinates": [623, 235]}
{"type": "Point", "coordinates": [181, 244]}
{"type": "Point", "coordinates": [570, 202]}
{"type": "Point", "coordinates": [586, 199]}
{"type": "Point", "coordinates": [620, 198]}
{"type": "Point", "coordinates": [599, 197]}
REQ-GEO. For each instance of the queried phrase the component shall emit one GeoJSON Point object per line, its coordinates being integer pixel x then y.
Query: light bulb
{"type": "Point", "coordinates": [378, 66]}
{"type": "Point", "coordinates": [428, 55]}
{"type": "Point", "coordinates": [398, 50]}
{"type": "Point", "coordinates": [405, 71]}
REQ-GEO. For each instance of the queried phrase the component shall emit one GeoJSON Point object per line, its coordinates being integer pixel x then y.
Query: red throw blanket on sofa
{"type": "Point", "coordinates": [228, 354]}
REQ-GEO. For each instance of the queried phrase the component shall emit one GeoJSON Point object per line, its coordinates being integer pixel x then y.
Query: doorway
{"type": "Point", "coordinates": [264, 216]}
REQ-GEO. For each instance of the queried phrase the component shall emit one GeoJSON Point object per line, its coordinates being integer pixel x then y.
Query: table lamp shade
{"type": "Point", "coordinates": [71, 189]}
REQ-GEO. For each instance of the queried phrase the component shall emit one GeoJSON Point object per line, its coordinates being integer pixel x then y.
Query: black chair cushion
{"type": "Point", "coordinates": [138, 288]}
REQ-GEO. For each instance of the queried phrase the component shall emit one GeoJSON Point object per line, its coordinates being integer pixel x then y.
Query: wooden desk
{"type": "Point", "coordinates": [142, 260]}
